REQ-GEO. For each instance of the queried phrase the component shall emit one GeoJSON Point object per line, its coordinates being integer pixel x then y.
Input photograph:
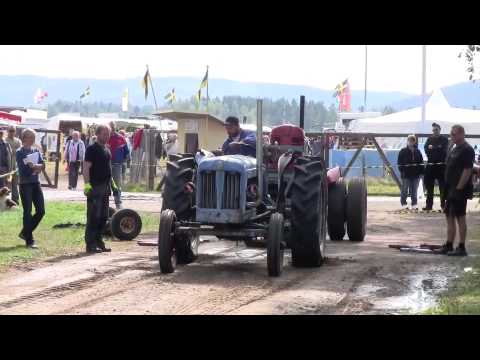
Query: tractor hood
{"type": "Point", "coordinates": [236, 163]}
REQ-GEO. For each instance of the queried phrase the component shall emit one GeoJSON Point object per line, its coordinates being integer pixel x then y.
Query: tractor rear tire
{"type": "Point", "coordinates": [308, 217]}
{"type": "Point", "coordinates": [126, 224]}
{"type": "Point", "coordinates": [337, 196]}
{"type": "Point", "coordinates": [357, 209]}
{"type": "Point", "coordinates": [167, 257]}
{"type": "Point", "coordinates": [275, 246]}
{"type": "Point", "coordinates": [174, 196]}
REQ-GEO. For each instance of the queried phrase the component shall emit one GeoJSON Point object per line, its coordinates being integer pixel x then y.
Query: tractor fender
{"type": "Point", "coordinates": [333, 175]}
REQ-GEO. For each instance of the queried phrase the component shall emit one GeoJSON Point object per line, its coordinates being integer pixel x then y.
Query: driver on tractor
{"type": "Point", "coordinates": [239, 141]}
{"type": "Point", "coordinates": [243, 142]}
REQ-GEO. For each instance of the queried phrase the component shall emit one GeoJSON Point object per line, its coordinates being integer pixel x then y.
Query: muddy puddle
{"type": "Point", "coordinates": [412, 294]}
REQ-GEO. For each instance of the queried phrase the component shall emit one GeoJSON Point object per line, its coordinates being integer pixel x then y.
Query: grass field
{"type": "Point", "coordinates": [386, 187]}
{"type": "Point", "coordinates": [51, 242]}
{"type": "Point", "coordinates": [463, 294]}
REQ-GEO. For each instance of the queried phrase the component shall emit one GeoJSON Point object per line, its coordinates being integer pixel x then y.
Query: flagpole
{"type": "Point", "coordinates": [206, 140]}
{"type": "Point", "coordinates": [207, 87]}
{"type": "Point", "coordinates": [365, 94]}
{"type": "Point", "coordinates": [424, 84]}
{"type": "Point", "coordinates": [153, 91]}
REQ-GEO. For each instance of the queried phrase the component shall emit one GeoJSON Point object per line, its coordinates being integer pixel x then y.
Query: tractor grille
{"type": "Point", "coordinates": [208, 199]}
{"type": "Point", "coordinates": [231, 191]}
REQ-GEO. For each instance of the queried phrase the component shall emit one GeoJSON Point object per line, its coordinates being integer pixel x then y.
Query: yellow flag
{"type": "Point", "coordinates": [145, 83]}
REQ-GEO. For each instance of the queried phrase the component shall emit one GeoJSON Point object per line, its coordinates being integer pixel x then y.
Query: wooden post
{"type": "Point", "coordinates": [147, 153]}
{"type": "Point", "coordinates": [57, 160]}
{"type": "Point", "coordinates": [355, 156]}
{"type": "Point", "coordinates": [364, 170]}
{"type": "Point", "coordinates": [302, 112]}
{"type": "Point", "coordinates": [387, 163]}
{"type": "Point", "coordinates": [326, 150]}
{"type": "Point", "coordinates": [44, 172]}
{"type": "Point", "coordinates": [152, 161]}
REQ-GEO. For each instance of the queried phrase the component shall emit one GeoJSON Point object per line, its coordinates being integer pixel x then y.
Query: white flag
{"type": "Point", "coordinates": [125, 100]}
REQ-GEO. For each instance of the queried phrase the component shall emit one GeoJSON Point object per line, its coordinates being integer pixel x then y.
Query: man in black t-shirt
{"type": "Point", "coordinates": [97, 173]}
{"type": "Point", "coordinates": [458, 188]}
{"type": "Point", "coordinates": [436, 148]}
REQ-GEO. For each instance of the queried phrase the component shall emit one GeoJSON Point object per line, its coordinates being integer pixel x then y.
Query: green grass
{"type": "Point", "coordinates": [386, 186]}
{"type": "Point", "coordinates": [137, 187]}
{"type": "Point", "coordinates": [51, 242]}
{"type": "Point", "coordinates": [382, 187]}
{"type": "Point", "coordinates": [463, 294]}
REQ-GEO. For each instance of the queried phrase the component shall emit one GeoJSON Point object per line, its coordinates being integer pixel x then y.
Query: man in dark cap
{"type": "Point", "coordinates": [239, 141]}
{"type": "Point", "coordinates": [436, 148]}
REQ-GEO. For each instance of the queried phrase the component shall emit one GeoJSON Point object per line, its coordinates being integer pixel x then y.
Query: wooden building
{"type": "Point", "coordinates": [196, 130]}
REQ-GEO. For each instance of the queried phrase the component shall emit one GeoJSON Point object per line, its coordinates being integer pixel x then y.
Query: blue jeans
{"type": "Point", "coordinates": [409, 186]}
{"type": "Point", "coordinates": [117, 177]}
{"type": "Point", "coordinates": [31, 194]}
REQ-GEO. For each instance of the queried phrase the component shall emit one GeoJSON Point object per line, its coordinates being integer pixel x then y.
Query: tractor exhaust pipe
{"type": "Point", "coordinates": [259, 150]}
{"type": "Point", "coordinates": [302, 111]}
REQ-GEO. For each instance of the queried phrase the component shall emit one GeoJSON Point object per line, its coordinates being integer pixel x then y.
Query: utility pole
{"type": "Point", "coordinates": [424, 85]}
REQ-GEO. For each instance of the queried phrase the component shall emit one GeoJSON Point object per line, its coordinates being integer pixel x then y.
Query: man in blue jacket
{"type": "Point", "coordinates": [239, 141]}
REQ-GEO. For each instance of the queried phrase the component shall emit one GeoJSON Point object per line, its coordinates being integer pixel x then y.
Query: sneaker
{"type": "Point", "coordinates": [427, 209]}
{"type": "Point", "coordinates": [445, 249]}
{"type": "Point", "coordinates": [93, 251]}
{"type": "Point", "coordinates": [32, 246]}
{"type": "Point", "coordinates": [459, 251]}
{"type": "Point", "coordinates": [414, 208]}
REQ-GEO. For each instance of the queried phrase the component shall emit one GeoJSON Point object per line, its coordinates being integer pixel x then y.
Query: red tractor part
{"type": "Point", "coordinates": [333, 175]}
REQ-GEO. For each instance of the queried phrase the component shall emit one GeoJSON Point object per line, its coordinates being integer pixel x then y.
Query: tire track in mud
{"type": "Point", "coordinates": [118, 286]}
{"type": "Point", "coordinates": [64, 289]}
{"type": "Point", "coordinates": [349, 301]}
{"type": "Point", "coordinates": [230, 299]}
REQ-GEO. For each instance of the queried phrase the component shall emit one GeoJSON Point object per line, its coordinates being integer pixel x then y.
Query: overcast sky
{"type": "Point", "coordinates": [390, 68]}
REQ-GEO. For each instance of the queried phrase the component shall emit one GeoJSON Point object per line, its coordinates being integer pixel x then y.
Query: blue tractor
{"type": "Point", "coordinates": [223, 196]}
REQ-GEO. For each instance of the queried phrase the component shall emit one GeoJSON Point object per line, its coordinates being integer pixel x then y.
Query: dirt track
{"type": "Point", "coordinates": [358, 278]}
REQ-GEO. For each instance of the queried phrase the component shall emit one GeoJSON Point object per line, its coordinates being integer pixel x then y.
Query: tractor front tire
{"type": "Point", "coordinates": [275, 246]}
{"type": "Point", "coordinates": [308, 217]}
{"type": "Point", "coordinates": [337, 195]}
{"type": "Point", "coordinates": [357, 209]}
{"type": "Point", "coordinates": [167, 257]}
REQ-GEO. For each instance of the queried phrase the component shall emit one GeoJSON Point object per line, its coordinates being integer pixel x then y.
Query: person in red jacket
{"type": "Point", "coordinates": [120, 152]}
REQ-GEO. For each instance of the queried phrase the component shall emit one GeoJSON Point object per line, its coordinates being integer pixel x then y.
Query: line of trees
{"type": "Point", "coordinates": [275, 112]}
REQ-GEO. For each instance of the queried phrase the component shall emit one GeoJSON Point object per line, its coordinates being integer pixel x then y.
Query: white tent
{"type": "Point", "coordinates": [438, 110]}
{"type": "Point", "coordinates": [164, 124]}
{"type": "Point", "coordinates": [253, 127]}
{"type": "Point", "coordinates": [54, 121]}
{"type": "Point", "coordinates": [33, 118]}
